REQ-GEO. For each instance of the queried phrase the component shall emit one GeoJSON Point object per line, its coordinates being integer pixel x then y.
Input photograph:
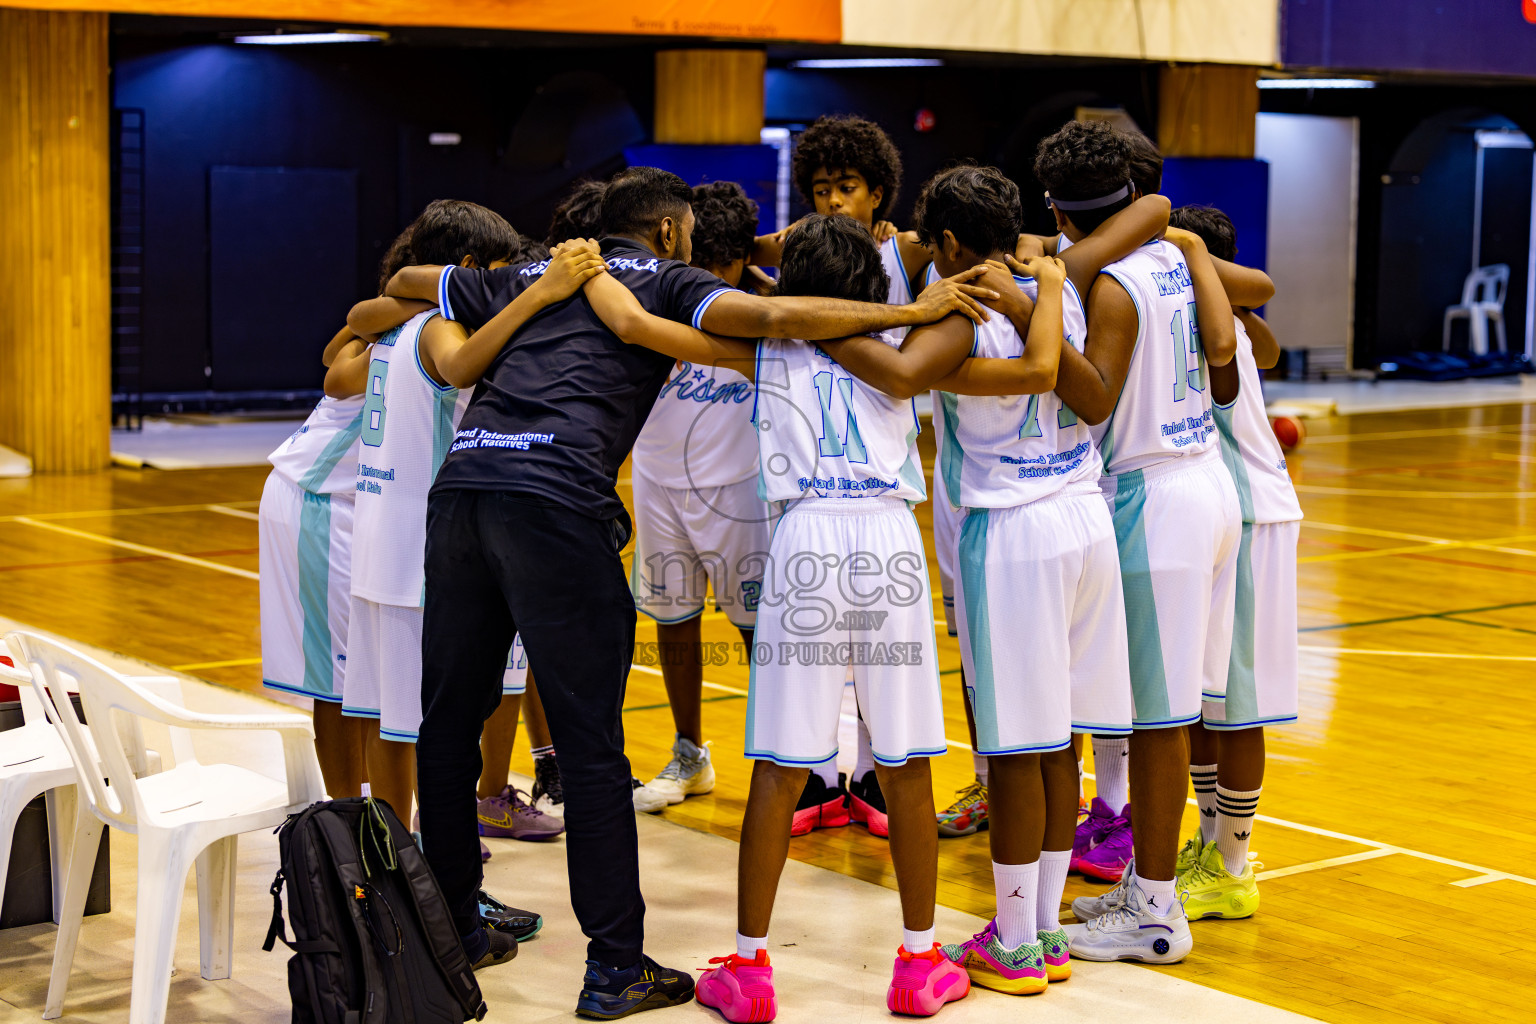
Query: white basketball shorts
{"type": "Point", "coordinates": [305, 562]}
{"type": "Point", "coordinates": [846, 585]}
{"type": "Point", "coordinates": [384, 668]}
{"type": "Point", "coordinates": [687, 535]}
{"type": "Point", "coordinates": [1178, 528]}
{"type": "Point", "coordinates": [1042, 624]}
{"type": "Point", "coordinates": [514, 680]}
{"type": "Point", "coordinates": [946, 534]}
{"type": "Point", "coordinates": [1262, 677]}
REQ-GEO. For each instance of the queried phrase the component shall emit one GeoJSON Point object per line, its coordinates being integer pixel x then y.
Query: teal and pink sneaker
{"type": "Point", "coordinates": [741, 989]}
{"type": "Point", "coordinates": [921, 983]}
{"type": "Point", "coordinates": [1058, 963]}
{"type": "Point", "coordinates": [990, 964]}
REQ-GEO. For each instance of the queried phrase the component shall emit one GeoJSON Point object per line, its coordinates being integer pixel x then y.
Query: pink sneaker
{"type": "Point", "coordinates": [742, 990]}
{"type": "Point", "coordinates": [820, 806]}
{"type": "Point", "coordinates": [866, 805]}
{"type": "Point", "coordinates": [1091, 830]}
{"type": "Point", "coordinates": [1108, 858]}
{"type": "Point", "coordinates": [921, 983]}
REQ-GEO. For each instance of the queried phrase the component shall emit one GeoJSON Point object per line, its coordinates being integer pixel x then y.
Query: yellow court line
{"type": "Point", "coordinates": [236, 663]}
{"type": "Point", "coordinates": [142, 549]}
{"type": "Point", "coordinates": [1413, 654]}
{"type": "Point", "coordinates": [238, 513]}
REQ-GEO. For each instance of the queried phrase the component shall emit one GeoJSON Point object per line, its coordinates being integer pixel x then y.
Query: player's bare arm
{"type": "Point", "coordinates": [1115, 239]}
{"type": "Point", "coordinates": [622, 313]}
{"type": "Point", "coordinates": [1245, 286]}
{"type": "Point", "coordinates": [452, 357]}
{"type": "Point", "coordinates": [338, 341]}
{"type": "Point", "coordinates": [372, 317]}
{"type": "Point", "coordinates": [1266, 347]}
{"type": "Point", "coordinates": [348, 373]}
{"type": "Point", "coordinates": [927, 354]}
{"type": "Point", "coordinates": [1034, 372]}
{"type": "Point", "coordinates": [810, 318]}
{"type": "Point", "coordinates": [1213, 311]}
{"type": "Point", "coordinates": [1089, 382]}
{"type": "Point", "coordinates": [418, 282]}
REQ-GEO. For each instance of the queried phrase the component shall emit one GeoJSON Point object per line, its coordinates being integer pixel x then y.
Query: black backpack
{"type": "Point", "coordinates": [373, 941]}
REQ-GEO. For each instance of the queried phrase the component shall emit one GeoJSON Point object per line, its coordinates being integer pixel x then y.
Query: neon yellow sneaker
{"type": "Point", "coordinates": [1189, 853]}
{"type": "Point", "coordinates": [1210, 890]}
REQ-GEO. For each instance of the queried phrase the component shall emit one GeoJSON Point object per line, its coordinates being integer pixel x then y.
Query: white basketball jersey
{"type": "Point", "coordinates": [823, 433]}
{"type": "Point", "coordinates": [321, 456]}
{"type": "Point", "coordinates": [1249, 448]}
{"type": "Point", "coordinates": [900, 291]}
{"type": "Point", "coordinates": [1164, 410]}
{"type": "Point", "coordinates": [699, 433]}
{"type": "Point", "coordinates": [408, 422]}
{"type": "Point", "coordinates": [1002, 452]}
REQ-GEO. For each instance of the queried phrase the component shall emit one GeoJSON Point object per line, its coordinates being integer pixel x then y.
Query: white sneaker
{"type": "Point", "coordinates": [1133, 932]}
{"type": "Point", "coordinates": [689, 773]}
{"type": "Point", "coordinates": [1087, 908]}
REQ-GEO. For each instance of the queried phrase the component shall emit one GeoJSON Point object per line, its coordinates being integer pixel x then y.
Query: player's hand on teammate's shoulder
{"type": "Point", "coordinates": [1048, 270]}
{"type": "Point", "coordinates": [1185, 240]}
{"type": "Point", "coordinates": [884, 231]}
{"type": "Point", "coordinates": [571, 265]}
{"type": "Point", "coordinates": [956, 295]}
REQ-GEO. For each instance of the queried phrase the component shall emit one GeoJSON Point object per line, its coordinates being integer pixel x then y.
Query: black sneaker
{"type": "Point", "coordinates": [548, 789]}
{"type": "Point", "coordinates": [522, 925]}
{"type": "Point", "coordinates": [608, 993]}
{"type": "Point", "coordinates": [496, 948]}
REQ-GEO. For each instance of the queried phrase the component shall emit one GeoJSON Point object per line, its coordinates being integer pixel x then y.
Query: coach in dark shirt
{"type": "Point", "coordinates": [524, 530]}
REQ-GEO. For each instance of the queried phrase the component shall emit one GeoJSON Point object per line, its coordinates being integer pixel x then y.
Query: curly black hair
{"type": "Point", "coordinates": [980, 205]}
{"type": "Point", "coordinates": [848, 143]}
{"type": "Point", "coordinates": [724, 224]}
{"type": "Point", "coordinates": [1085, 160]}
{"type": "Point", "coordinates": [1212, 225]}
{"type": "Point", "coordinates": [1146, 163]}
{"type": "Point", "coordinates": [447, 231]}
{"type": "Point", "coordinates": [579, 214]}
{"type": "Point", "coordinates": [834, 258]}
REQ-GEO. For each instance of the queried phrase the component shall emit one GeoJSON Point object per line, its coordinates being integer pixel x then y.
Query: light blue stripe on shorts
{"type": "Point", "coordinates": [314, 595]}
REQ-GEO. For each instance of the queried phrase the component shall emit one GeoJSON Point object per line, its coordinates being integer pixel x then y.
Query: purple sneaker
{"type": "Point", "coordinates": [1092, 830]}
{"type": "Point", "coordinates": [510, 816]}
{"type": "Point", "coordinates": [1106, 861]}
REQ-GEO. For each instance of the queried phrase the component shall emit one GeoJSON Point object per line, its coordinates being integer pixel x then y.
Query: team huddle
{"type": "Point", "coordinates": [1114, 525]}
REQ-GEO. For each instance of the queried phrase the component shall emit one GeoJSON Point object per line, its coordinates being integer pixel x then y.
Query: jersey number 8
{"type": "Point", "coordinates": [373, 404]}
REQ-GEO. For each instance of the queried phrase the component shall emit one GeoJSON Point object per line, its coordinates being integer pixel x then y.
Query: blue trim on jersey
{"type": "Point", "coordinates": [669, 622]}
{"type": "Point", "coordinates": [350, 712]}
{"type": "Point", "coordinates": [332, 453]}
{"type": "Point", "coordinates": [698, 311]}
{"type": "Point", "coordinates": [1169, 724]}
{"type": "Point", "coordinates": [789, 762]}
{"type": "Point", "coordinates": [442, 293]}
{"type": "Point", "coordinates": [1233, 726]}
{"type": "Point", "coordinates": [892, 762]}
{"type": "Point", "coordinates": [1029, 748]}
{"type": "Point", "coordinates": [417, 353]}
{"type": "Point", "coordinates": [314, 592]}
{"type": "Point", "coordinates": [1099, 729]}
{"type": "Point", "coordinates": [906, 282]}
{"type": "Point", "coordinates": [399, 735]}
{"type": "Point", "coordinates": [273, 684]}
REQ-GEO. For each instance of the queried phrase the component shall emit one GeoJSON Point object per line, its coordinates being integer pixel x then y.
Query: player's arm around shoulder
{"type": "Point", "coordinates": [622, 314]}
{"type": "Point", "coordinates": [372, 317]}
{"type": "Point", "coordinates": [1245, 286]}
{"type": "Point", "coordinates": [1089, 383]}
{"type": "Point", "coordinates": [348, 373]}
{"type": "Point", "coordinates": [1115, 239]}
{"type": "Point", "coordinates": [1038, 323]}
{"type": "Point", "coordinates": [1213, 310]}
{"type": "Point", "coordinates": [1266, 347]}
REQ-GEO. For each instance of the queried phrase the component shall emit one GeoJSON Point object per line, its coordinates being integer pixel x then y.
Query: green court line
{"type": "Point", "coordinates": [665, 704]}
{"type": "Point", "coordinates": [1490, 625]}
{"type": "Point", "coordinates": [1411, 618]}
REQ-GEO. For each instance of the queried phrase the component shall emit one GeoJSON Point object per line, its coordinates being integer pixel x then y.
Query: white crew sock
{"type": "Point", "coordinates": [1111, 757]}
{"type": "Point", "coordinates": [1160, 894]}
{"type": "Point", "coordinates": [1018, 888]}
{"type": "Point", "coordinates": [917, 942]}
{"type": "Point", "coordinates": [979, 765]}
{"type": "Point", "coordinates": [1079, 782]}
{"type": "Point", "coordinates": [1204, 778]}
{"type": "Point", "coordinates": [1234, 824]}
{"type": "Point", "coordinates": [828, 771]}
{"type": "Point", "coordinates": [747, 947]}
{"type": "Point", "coordinates": [865, 762]}
{"type": "Point", "coordinates": [1053, 882]}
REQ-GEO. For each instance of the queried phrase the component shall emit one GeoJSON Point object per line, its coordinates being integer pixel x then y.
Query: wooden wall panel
{"type": "Point", "coordinates": [1207, 110]}
{"type": "Point", "coordinates": [709, 97]}
{"type": "Point", "coordinates": [55, 282]}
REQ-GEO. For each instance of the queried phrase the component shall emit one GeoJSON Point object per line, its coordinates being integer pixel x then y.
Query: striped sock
{"type": "Point", "coordinates": [539, 752]}
{"type": "Point", "coordinates": [1204, 778]}
{"type": "Point", "coordinates": [1234, 824]}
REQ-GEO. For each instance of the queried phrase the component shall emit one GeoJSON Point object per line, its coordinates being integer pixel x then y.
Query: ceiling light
{"type": "Point", "coordinates": [869, 62]}
{"type": "Point", "coordinates": [1316, 83]}
{"type": "Point", "coordinates": [303, 38]}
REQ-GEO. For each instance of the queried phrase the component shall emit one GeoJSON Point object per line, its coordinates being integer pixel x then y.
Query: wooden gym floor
{"type": "Point", "coordinates": [1396, 831]}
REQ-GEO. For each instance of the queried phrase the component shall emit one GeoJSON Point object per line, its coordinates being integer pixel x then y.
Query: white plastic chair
{"type": "Point", "coordinates": [191, 812]}
{"type": "Point", "coordinates": [1482, 301]}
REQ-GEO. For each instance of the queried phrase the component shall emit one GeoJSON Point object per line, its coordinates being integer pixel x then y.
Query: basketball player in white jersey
{"type": "Point", "coordinates": [305, 529]}
{"type": "Point", "coordinates": [698, 516]}
{"type": "Point", "coordinates": [1227, 746]}
{"type": "Point", "coordinates": [843, 458]}
{"type": "Point", "coordinates": [1014, 458]}
{"type": "Point", "coordinates": [1141, 383]}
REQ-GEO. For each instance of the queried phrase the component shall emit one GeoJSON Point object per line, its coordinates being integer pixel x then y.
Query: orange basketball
{"type": "Point", "coordinates": [1289, 431]}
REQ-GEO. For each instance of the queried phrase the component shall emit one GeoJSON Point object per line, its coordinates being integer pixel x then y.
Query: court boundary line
{"type": "Point", "coordinates": [145, 510]}
{"type": "Point", "coordinates": [143, 549]}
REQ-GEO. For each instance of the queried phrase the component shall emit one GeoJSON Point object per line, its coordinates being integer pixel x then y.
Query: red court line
{"type": "Point", "coordinates": [1474, 565]}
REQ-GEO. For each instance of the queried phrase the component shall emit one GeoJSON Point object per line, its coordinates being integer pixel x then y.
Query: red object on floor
{"type": "Point", "coordinates": [7, 691]}
{"type": "Point", "coordinates": [1289, 432]}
